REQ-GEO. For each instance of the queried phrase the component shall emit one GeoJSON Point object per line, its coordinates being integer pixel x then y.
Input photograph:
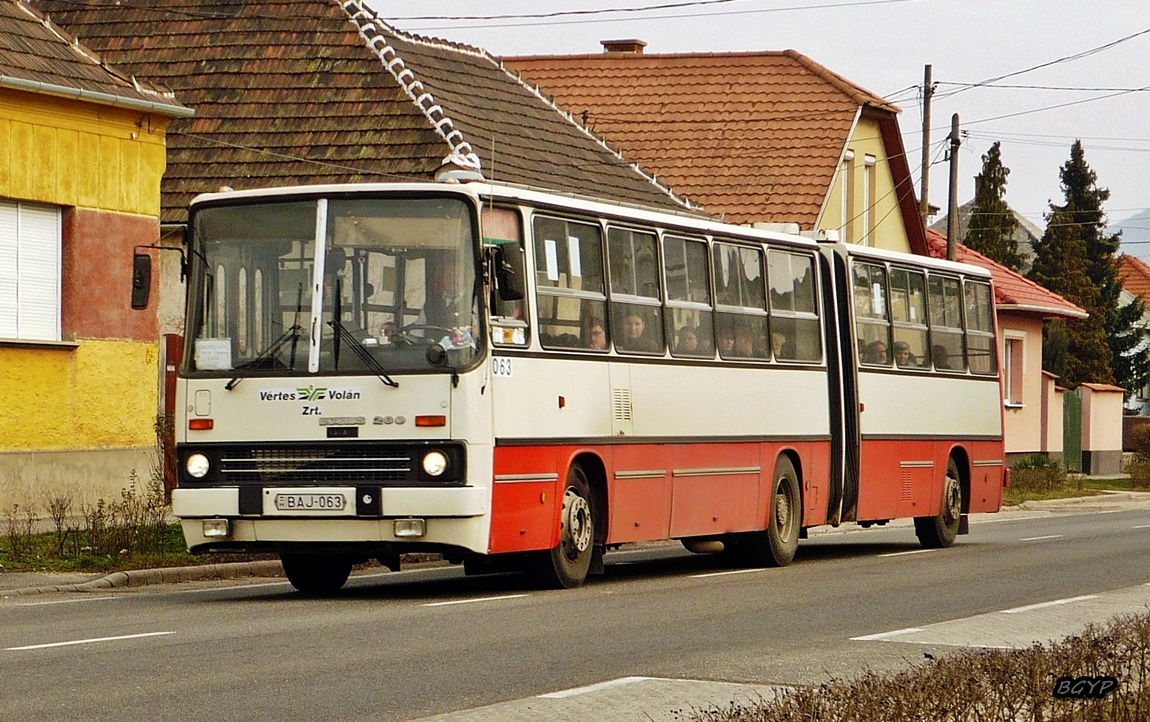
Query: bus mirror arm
{"type": "Point", "coordinates": [142, 274]}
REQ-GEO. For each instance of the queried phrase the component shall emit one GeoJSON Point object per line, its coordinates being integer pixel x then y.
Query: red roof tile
{"type": "Point", "coordinates": [1135, 275]}
{"type": "Point", "coordinates": [756, 136]}
{"type": "Point", "coordinates": [1012, 291]}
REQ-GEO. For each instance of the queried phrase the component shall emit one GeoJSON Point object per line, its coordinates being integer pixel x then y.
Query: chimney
{"type": "Point", "coordinates": [632, 46]}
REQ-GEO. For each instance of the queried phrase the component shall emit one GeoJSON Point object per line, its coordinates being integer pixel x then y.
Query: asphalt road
{"type": "Point", "coordinates": [431, 641]}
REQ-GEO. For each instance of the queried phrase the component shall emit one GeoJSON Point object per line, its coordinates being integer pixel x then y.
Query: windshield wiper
{"type": "Point", "coordinates": [291, 334]}
{"type": "Point", "coordinates": [362, 353]}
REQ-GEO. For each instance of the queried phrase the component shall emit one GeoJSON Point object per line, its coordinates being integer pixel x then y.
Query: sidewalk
{"type": "Point", "coordinates": [13, 584]}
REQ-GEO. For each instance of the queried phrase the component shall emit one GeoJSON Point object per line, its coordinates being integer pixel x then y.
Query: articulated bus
{"type": "Point", "coordinates": [522, 380]}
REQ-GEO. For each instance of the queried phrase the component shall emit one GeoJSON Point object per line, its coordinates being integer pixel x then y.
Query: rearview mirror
{"type": "Point", "coordinates": [507, 260]}
{"type": "Point", "coordinates": [141, 280]}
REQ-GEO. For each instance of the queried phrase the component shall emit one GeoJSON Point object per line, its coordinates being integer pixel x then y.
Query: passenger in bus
{"type": "Point", "coordinates": [903, 358]}
{"type": "Point", "coordinates": [778, 341]}
{"type": "Point", "coordinates": [876, 353]}
{"type": "Point", "coordinates": [726, 341]}
{"type": "Point", "coordinates": [688, 341]}
{"type": "Point", "coordinates": [939, 354]}
{"type": "Point", "coordinates": [744, 343]}
{"type": "Point", "coordinates": [595, 335]}
{"type": "Point", "coordinates": [635, 336]}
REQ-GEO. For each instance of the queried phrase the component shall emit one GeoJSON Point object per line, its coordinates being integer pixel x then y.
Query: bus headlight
{"type": "Point", "coordinates": [434, 463]}
{"type": "Point", "coordinates": [197, 466]}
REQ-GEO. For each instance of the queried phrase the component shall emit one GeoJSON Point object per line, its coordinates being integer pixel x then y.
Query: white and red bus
{"type": "Point", "coordinates": [518, 379]}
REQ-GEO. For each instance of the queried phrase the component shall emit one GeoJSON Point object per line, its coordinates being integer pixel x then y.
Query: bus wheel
{"type": "Point", "coordinates": [939, 531]}
{"type": "Point", "coordinates": [316, 573]}
{"type": "Point", "coordinates": [566, 565]}
{"type": "Point", "coordinates": [776, 545]}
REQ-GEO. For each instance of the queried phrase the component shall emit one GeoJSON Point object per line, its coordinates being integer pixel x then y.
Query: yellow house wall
{"type": "Point", "coordinates": [72, 153]}
{"type": "Point", "coordinates": [77, 417]}
{"type": "Point", "coordinates": [889, 231]}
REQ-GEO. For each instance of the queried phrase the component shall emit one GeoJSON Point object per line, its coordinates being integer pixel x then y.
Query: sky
{"type": "Point", "coordinates": [1087, 77]}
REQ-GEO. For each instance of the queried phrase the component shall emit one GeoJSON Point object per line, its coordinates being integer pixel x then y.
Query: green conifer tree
{"type": "Point", "coordinates": [991, 227]}
{"type": "Point", "coordinates": [1076, 259]}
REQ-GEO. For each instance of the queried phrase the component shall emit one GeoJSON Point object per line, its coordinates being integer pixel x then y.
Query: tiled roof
{"type": "Point", "coordinates": [293, 92]}
{"type": "Point", "coordinates": [1135, 275]}
{"type": "Point", "coordinates": [756, 136]}
{"type": "Point", "coordinates": [1012, 292]}
{"type": "Point", "coordinates": [37, 56]}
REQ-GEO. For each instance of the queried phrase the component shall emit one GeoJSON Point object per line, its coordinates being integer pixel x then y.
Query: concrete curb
{"type": "Point", "coordinates": [164, 575]}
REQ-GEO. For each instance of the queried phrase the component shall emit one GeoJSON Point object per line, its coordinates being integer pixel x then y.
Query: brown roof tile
{"type": "Point", "coordinates": [308, 91]}
{"type": "Point", "coordinates": [756, 136]}
{"type": "Point", "coordinates": [37, 56]}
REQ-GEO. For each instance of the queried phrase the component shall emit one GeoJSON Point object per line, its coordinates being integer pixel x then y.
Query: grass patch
{"type": "Point", "coordinates": [992, 685]}
{"type": "Point", "coordinates": [132, 532]}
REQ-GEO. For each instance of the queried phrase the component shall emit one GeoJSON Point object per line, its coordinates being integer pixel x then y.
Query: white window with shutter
{"type": "Point", "coordinates": [29, 271]}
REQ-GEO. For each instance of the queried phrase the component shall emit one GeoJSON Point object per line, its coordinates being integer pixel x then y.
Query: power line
{"type": "Point", "coordinates": [566, 13]}
{"type": "Point", "coordinates": [683, 16]}
{"type": "Point", "coordinates": [1064, 59]}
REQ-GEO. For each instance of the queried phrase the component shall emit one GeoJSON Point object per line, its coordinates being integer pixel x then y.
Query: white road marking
{"type": "Point", "coordinates": [87, 641]}
{"type": "Point", "coordinates": [723, 574]}
{"type": "Point", "coordinates": [593, 687]}
{"type": "Point", "coordinates": [1043, 605]}
{"type": "Point", "coordinates": [903, 554]}
{"type": "Point", "coordinates": [886, 635]}
{"type": "Point", "coordinates": [473, 601]}
{"type": "Point", "coordinates": [1141, 526]}
{"type": "Point", "coordinates": [65, 601]}
{"type": "Point", "coordinates": [1040, 538]}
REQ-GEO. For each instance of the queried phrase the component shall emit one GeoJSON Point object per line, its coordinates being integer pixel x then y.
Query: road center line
{"type": "Point", "coordinates": [87, 641]}
{"type": "Point", "coordinates": [1040, 538]}
{"type": "Point", "coordinates": [886, 635]}
{"type": "Point", "coordinates": [473, 601]}
{"type": "Point", "coordinates": [903, 554]}
{"type": "Point", "coordinates": [1141, 526]}
{"type": "Point", "coordinates": [65, 601]}
{"type": "Point", "coordinates": [1043, 605]}
{"type": "Point", "coordinates": [723, 574]}
{"type": "Point", "coordinates": [593, 687]}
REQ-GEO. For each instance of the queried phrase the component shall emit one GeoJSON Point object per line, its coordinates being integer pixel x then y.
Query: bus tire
{"type": "Point", "coordinates": [939, 531]}
{"type": "Point", "coordinates": [566, 565]}
{"type": "Point", "coordinates": [316, 573]}
{"type": "Point", "coordinates": [775, 546]}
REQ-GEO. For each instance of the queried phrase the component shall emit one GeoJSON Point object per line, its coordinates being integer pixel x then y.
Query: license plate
{"type": "Point", "coordinates": [310, 502]}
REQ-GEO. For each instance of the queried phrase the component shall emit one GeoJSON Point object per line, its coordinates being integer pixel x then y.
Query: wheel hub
{"type": "Point", "coordinates": [576, 523]}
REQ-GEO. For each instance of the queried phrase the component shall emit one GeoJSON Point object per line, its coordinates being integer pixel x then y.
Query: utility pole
{"type": "Point", "coordinates": [952, 212]}
{"type": "Point", "coordinates": [927, 92]}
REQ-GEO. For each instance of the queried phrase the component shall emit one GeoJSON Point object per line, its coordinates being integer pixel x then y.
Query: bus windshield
{"type": "Point", "coordinates": [397, 276]}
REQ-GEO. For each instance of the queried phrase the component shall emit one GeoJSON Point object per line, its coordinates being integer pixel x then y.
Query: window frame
{"type": "Point", "coordinates": [31, 272]}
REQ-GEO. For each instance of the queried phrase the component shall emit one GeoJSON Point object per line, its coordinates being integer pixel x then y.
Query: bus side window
{"type": "Point", "coordinates": [569, 285]}
{"type": "Point", "coordinates": [636, 309]}
{"type": "Point", "coordinates": [794, 310]}
{"type": "Point", "coordinates": [908, 312]}
{"type": "Point", "coordinates": [945, 311]}
{"type": "Point", "coordinates": [741, 303]}
{"type": "Point", "coordinates": [690, 320]}
{"type": "Point", "coordinates": [980, 346]}
{"type": "Point", "coordinates": [872, 319]}
{"type": "Point", "coordinates": [501, 227]}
